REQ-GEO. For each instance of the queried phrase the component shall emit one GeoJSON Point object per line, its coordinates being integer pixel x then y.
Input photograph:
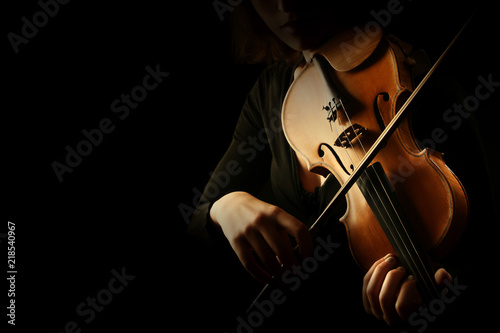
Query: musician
{"type": "Point", "coordinates": [261, 198]}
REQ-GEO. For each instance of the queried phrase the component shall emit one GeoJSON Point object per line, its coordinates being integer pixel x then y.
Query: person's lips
{"type": "Point", "coordinates": [291, 26]}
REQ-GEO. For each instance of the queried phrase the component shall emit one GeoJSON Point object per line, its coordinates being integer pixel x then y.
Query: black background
{"type": "Point", "coordinates": [119, 207]}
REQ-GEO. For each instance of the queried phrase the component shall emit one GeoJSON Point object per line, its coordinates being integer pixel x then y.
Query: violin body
{"type": "Point", "coordinates": [332, 117]}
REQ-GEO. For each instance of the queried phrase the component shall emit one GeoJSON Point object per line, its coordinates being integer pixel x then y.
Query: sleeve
{"type": "Point", "coordinates": [244, 167]}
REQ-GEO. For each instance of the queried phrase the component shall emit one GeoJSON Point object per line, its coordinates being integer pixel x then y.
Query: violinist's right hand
{"type": "Point", "coordinates": [252, 225]}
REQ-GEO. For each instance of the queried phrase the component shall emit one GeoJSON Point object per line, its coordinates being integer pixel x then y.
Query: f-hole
{"type": "Point", "coordinates": [321, 153]}
{"type": "Point", "coordinates": [385, 97]}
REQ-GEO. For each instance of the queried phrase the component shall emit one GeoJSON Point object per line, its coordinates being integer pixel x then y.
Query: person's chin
{"type": "Point", "coordinates": [304, 41]}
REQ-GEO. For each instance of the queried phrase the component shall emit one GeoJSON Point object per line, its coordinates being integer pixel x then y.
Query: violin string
{"type": "Point", "coordinates": [407, 256]}
{"type": "Point", "coordinates": [403, 226]}
{"type": "Point", "coordinates": [350, 124]}
{"type": "Point", "coordinates": [384, 208]}
{"type": "Point", "coordinates": [399, 220]}
{"type": "Point", "coordinates": [337, 135]}
{"type": "Point", "coordinates": [417, 89]}
{"type": "Point", "coordinates": [343, 129]}
{"type": "Point", "coordinates": [408, 245]}
{"type": "Point", "coordinates": [417, 266]}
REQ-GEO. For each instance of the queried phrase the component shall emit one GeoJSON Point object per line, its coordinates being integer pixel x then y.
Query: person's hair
{"type": "Point", "coordinates": [253, 42]}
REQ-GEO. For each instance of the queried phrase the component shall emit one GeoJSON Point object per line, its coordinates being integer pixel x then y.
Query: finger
{"type": "Point", "coordinates": [442, 275]}
{"type": "Point", "coordinates": [304, 241]}
{"type": "Point", "coordinates": [366, 280]}
{"type": "Point", "coordinates": [408, 298]}
{"type": "Point", "coordinates": [244, 252]}
{"type": "Point", "coordinates": [279, 243]}
{"type": "Point", "coordinates": [389, 293]}
{"type": "Point", "coordinates": [265, 252]}
{"type": "Point", "coordinates": [297, 230]}
{"type": "Point", "coordinates": [375, 284]}
{"type": "Point", "coordinates": [284, 235]}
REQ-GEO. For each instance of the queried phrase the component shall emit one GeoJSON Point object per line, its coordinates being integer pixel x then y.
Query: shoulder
{"type": "Point", "coordinates": [271, 87]}
{"type": "Point", "coordinates": [278, 75]}
{"type": "Point", "coordinates": [264, 101]}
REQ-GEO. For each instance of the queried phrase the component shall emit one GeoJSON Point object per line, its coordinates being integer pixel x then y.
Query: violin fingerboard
{"type": "Point", "coordinates": [379, 194]}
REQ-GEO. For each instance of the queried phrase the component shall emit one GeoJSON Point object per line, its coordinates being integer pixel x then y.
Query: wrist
{"type": "Point", "coordinates": [218, 206]}
{"type": "Point", "coordinates": [215, 211]}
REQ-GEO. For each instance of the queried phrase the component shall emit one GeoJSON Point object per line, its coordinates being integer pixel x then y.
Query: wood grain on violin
{"type": "Point", "coordinates": [407, 201]}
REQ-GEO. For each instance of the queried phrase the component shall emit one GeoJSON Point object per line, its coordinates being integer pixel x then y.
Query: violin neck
{"type": "Point", "coordinates": [379, 194]}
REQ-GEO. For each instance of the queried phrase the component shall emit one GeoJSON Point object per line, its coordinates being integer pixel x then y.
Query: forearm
{"type": "Point", "coordinates": [234, 173]}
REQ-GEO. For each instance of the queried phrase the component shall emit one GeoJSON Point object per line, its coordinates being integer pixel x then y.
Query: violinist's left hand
{"type": "Point", "coordinates": [389, 293]}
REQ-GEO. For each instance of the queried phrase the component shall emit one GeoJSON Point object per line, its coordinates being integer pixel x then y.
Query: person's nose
{"type": "Point", "coordinates": [287, 5]}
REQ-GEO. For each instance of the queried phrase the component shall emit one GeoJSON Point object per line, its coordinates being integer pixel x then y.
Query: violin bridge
{"type": "Point", "coordinates": [347, 137]}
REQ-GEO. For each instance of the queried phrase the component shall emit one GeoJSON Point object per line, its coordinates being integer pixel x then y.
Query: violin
{"type": "Point", "coordinates": [347, 116]}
